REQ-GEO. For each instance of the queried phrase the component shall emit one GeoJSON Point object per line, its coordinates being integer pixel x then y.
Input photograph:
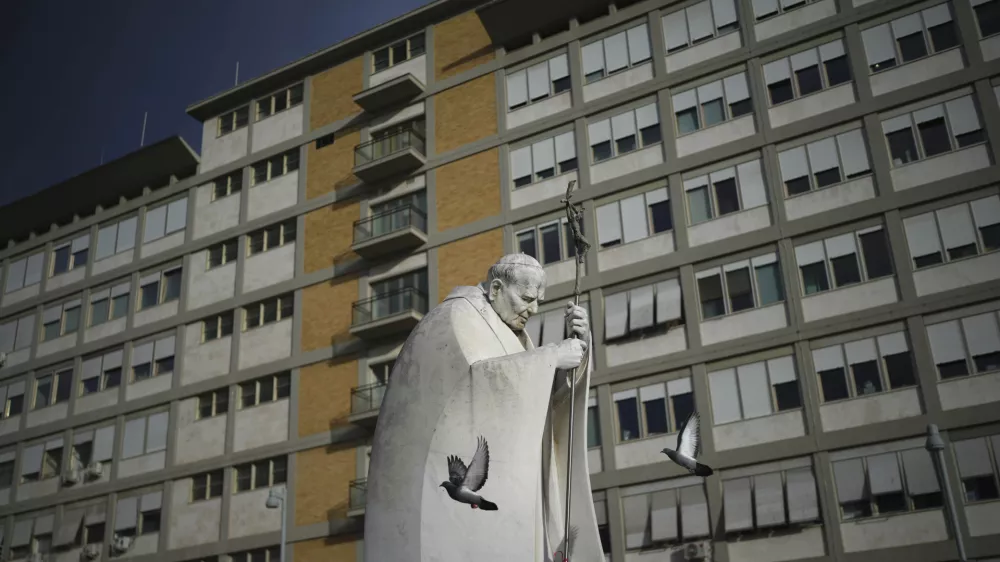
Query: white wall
{"type": "Point", "coordinates": [266, 344]}
{"type": "Point", "coordinates": [733, 224]}
{"type": "Point", "coordinates": [104, 330]}
{"type": "Point", "coordinates": [920, 70]}
{"type": "Point", "coordinates": [634, 252]}
{"type": "Point", "coordinates": [618, 82]}
{"type": "Point", "coordinates": [217, 151]}
{"type": "Point", "coordinates": [716, 135]}
{"type": "Point", "coordinates": [806, 543]}
{"type": "Point", "coordinates": [983, 518]}
{"type": "Point", "coordinates": [65, 279]}
{"type": "Point", "coordinates": [742, 324]}
{"type": "Point", "coordinates": [112, 262]}
{"type": "Point", "coordinates": [704, 51]}
{"type": "Point", "coordinates": [969, 391]}
{"type": "Point", "coordinates": [198, 439]}
{"type": "Point", "coordinates": [268, 268]}
{"type": "Point", "coordinates": [203, 361]}
{"type": "Point", "coordinates": [840, 195]}
{"type": "Point", "coordinates": [872, 409]}
{"type": "Point", "coordinates": [895, 530]}
{"type": "Point", "coordinates": [45, 415]}
{"type": "Point", "coordinates": [940, 167]}
{"type": "Point", "coordinates": [957, 275]}
{"type": "Point", "coordinates": [990, 47]}
{"type": "Point", "coordinates": [540, 191]}
{"type": "Point", "coordinates": [790, 21]}
{"type": "Point", "coordinates": [149, 387]}
{"type": "Point", "coordinates": [155, 314]}
{"type": "Point", "coordinates": [277, 128]}
{"type": "Point", "coordinates": [416, 66]}
{"type": "Point", "coordinates": [539, 109]}
{"type": "Point", "coordinates": [162, 244]}
{"type": "Point", "coordinates": [96, 401]}
{"type": "Point", "coordinates": [261, 425]}
{"type": "Point", "coordinates": [214, 216]}
{"type": "Point", "coordinates": [21, 294]}
{"type": "Point", "coordinates": [268, 197]}
{"type": "Point", "coordinates": [207, 286]}
{"type": "Point", "coordinates": [33, 490]}
{"type": "Point", "coordinates": [812, 105]}
{"type": "Point", "coordinates": [861, 296]}
{"type": "Point", "coordinates": [626, 164]}
{"type": "Point", "coordinates": [192, 523]}
{"type": "Point", "coordinates": [659, 345]}
{"type": "Point", "coordinates": [141, 464]}
{"type": "Point", "coordinates": [249, 516]}
{"type": "Point", "coordinates": [767, 429]}
{"type": "Point", "coordinates": [62, 343]}
{"type": "Point", "coordinates": [643, 451]}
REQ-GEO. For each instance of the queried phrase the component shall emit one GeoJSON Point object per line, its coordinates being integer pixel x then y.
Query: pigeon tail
{"type": "Point", "coordinates": [703, 470]}
{"type": "Point", "coordinates": [487, 505]}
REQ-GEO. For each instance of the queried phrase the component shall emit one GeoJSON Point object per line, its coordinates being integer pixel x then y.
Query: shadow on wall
{"type": "Point", "coordinates": [482, 51]}
{"type": "Point", "coordinates": [357, 535]}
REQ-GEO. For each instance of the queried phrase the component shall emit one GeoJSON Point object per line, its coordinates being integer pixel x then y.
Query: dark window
{"type": "Point", "coordinates": [683, 407]}
{"type": "Point", "coordinates": [882, 65]}
{"type": "Point", "coordinates": [838, 71]}
{"type": "Point", "coordinates": [560, 85]}
{"type": "Point", "coordinates": [60, 260]}
{"type": "Point", "coordinates": [656, 416]}
{"type": "Point", "coordinates": [797, 185]}
{"type": "Point", "coordinates": [687, 121]}
{"type": "Point", "coordinates": [727, 197]}
{"type": "Point", "coordinates": [875, 247]}
{"type": "Point", "coordinates": [899, 367]}
{"type": "Point", "coordinates": [150, 522]}
{"type": "Point", "coordinates": [962, 251]}
{"type": "Point", "coordinates": [912, 46]}
{"type": "Point", "coordinates": [967, 139]}
{"type": "Point", "coordinates": [809, 80]}
{"type": "Point", "coordinates": [628, 419]}
{"type": "Point", "coordinates": [567, 165]}
{"type": "Point", "coordinates": [856, 509]}
{"type": "Point", "coordinates": [866, 378]}
{"type": "Point", "coordinates": [902, 146]}
{"type": "Point", "coordinates": [113, 378]}
{"type": "Point", "coordinates": [712, 303]}
{"type": "Point", "coordinates": [927, 501]}
{"type": "Point", "coordinates": [714, 112]}
{"type": "Point", "coordinates": [834, 384]}
{"type": "Point", "coordinates": [991, 237]}
{"type": "Point", "coordinates": [546, 173]}
{"type": "Point", "coordinates": [324, 141]}
{"type": "Point", "coordinates": [142, 372]}
{"type": "Point", "coordinates": [593, 428]}
{"type": "Point", "coordinates": [95, 533]}
{"type": "Point", "coordinates": [953, 369]}
{"type": "Point", "coordinates": [595, 76]}
{"type": "Point", "coordinates": [740, 290]}
{"type": "Point", "coordinates": [827, 177]}
{"type": "Point", "coordinates": [891, 503]}
{"type": "Point", "coordinates": [604, 531]}
{"type": "Point", "coordinates": [786, 395]}
{"type": "Point", "coordinates": [927, 260]}
{"type": "Point", "coordinates": [934, 136]}
{"type": "Point", "coordinates": [987, 362]}
{"type": "Point", "coordinates": [660, 214]}
{"type": "Point", "coordinates": [814, 278]}
{"type": "Point", "coordinates": [980, 488]}
{"type": "Point", "coordinates": [522, 181]}
{"type": "Point", "coordinates": [741, 107]}
{"type": "Point", "coordinates": [845, 270]}
{"type": "Point", "coordinates": [943, 36]}
{"type": "Point", "coordinates": [550, 244]}
{"type": "Point", "coordinates": [781, 92]}
{"type": "Point", "coordinates": [625, 144]}
{"type": "Point", "coordinates": [988, 16]}
{"type": "Point", "coordinates": [602, 151]}
{"type": "Point", "coordinates": [526, 243]}
{"type": "Point", "coordinates": [650, 135]}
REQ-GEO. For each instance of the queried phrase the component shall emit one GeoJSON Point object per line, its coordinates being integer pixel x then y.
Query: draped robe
{"type": "Point", "coordinates": [463, 373]}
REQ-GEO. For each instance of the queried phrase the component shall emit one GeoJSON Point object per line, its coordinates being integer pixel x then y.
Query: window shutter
{"type": "Point", "coordinates": [946, 342]}
{"type": "Point", "coordinates": [155, 225]}
{"type": "Point", "coordinates": [164, 348]}
{"type": "Point", "coordinates": [609, 227]}
{"type": "Point", "coordinates": [685, 100]}
{"type": "Point", "coordinates": [177, 215]}
{"type": "Point", "coordinates": [986, 211]}
{"type": "Point", "coordinates": [156, 432]}
{"type": "Point", "coordinates": [922, 235]}
{"type": "Point", "coordinates": [68, 527]}
{"type": "Point", "coordinates": [133, 440]}
{"type": "Point", "coordinates": [640, 308]}
{"type": "Point", "coordinates": [981, 334]}
{"type": "Point", "coordinates": [565, 147]}
{"type": "Point", "coordinates": [781, 370]}
{"type": "Point", "coordinates": [520, 162]}
{"type": "Point", "coordinates": [623, 125]}
{"type": "Point", "coordinates": [126, 234]}
{"type": "Point", "coordinates": [776, 71]}
{"type": "Point", "coordinates": [33, 272]}
{"type": "Point", "coordinates": [31, 459]}
{"type": "Point", "coordinates": [151, 501]}
{"type": "Point", "coordinates": [8, 331]}
{"type": "Point", "coordinates": [553, 327]}
{"type": "Point", "coordinates": [52, 314]}
{"type": "Point", "coordinates": [755, 392]}
{"type": "Point", "coordinates": [828, 358]}
{"type": "Point", "coordinates": [838, 246]}
{"type": "Point", "coordinates": [694, 512]}
{"type": "Point", "coordinates": [725, 396]}
{"type": "Point", "coordinates": [542, 156]}
{"type": "Point", "coordinates": [956, 226]}
{"type": "Point", "coordinates": [752, 184]}
{"type": "Point", "coordinates": [663, 513]}
{"type": "Point", "coordinates": [891, 344]}
{"type": "Point", "coordinates": [883, 474]}
{"type": "Point", "coordinates": [807, 254]}
{"type": "Point", "coordinates": [675, 33]}
{"type": "Point", "coordinates": [853, 156]}
{"type": "Point", "coordinates": [615, 315]}
{"type": "Point", "coordinates": [700, 21]}
{"type": "Point", "coordinates": [736, 504]}
{"type": "Point", "coordinates": [91, 368]}
{"type": "Point", "coordinates": [805, 59]}
{"type": "Point", "coordinates": [25, 332]}
{"type": "Point", "coordinates": [928, 114]}
{"type": "Point", "coordinates": [615, 52]}
{"type": "Point", "coordinates": [142, 354]}
{"type": "Point", "coordinates": [920, 475]}
{"type": "Point", "coordinates": [538, 81]}
{"type": "Point", "coordinates": [769, 499]}
{"type": "Point", "coordinates": [599, 132]}
{"type": "Point", "coordinates": [736, 88]}
{"type": "Point", "coordinates": [647, 116]}
{"type": "Point", "coordinates": [636, 512]}
{"type": "Point", "coordinates": [126, 513]}
{"type": "Point", "coordinates": [723, 12]}
{"type": "Point", "coordinates": [710, 91]}
{"type": "Point", "coordinates": [860, 351]}
{"type": "Point", "coordinates": [906, 25]}
{"type": "Point", "coordinates": [517, 88]}
{"type": "Point", "coordinates": [823, 155]}
{"type": "Point", "coordinates": [104, 439]}
{"type": "Point", "coordinates": [638, 44]}
{"type": "Point", "coordinates": [936, 16]}
{"type": "Point", "coordinates": [558, 67]}
{"type": "Point", "coordinates": [878, 44]}
{"type": "Point", "coordinates": [668, 301]}
{"type": "Point", "coordinates": [634, 219]}
{"type": "Point", "coordinates": [793, 163]}
{"type": "Point", "coordinates": [831, 50]}
{"type": "Point", "coordinates": [962, 112]}
{"type": "Point", "coordinates": [593, 57]}
{"type": "Point", "coordinates": [106, 241]}
{"type": "Point", "coordinates": [113, 360]}
{"type": "Point", "coordinates": [80, 243]}
{"type": "Point", "coordinates": [802, 504]}
{"type": "Point", "coordinates": [850, 479]}
{"type": "Point", "coordinates": [15, 275]}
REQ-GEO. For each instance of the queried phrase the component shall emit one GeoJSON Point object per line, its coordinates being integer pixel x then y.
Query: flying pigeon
{"type": "Point", "coordinates": [463, 483]}
{"type": "Point", "coordinates": [689, 447]}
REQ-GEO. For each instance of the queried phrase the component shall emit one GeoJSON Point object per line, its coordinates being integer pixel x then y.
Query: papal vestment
{"type": "Point", "coordinates": [463, 373]}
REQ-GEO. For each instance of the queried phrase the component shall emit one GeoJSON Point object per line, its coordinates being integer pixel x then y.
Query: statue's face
{"type": "Point", "coordinates": [517, 302]}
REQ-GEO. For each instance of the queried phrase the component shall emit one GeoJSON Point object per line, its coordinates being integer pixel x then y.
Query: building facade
{"type": "Point", "coordinates": [795, 217]}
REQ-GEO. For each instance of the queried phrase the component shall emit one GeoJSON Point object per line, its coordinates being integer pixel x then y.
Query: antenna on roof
{"type": "Point", "coordinates": [102, 155]}
{"type": "Point", "coordinates": [142, 139]}
{"type": "Point", "coordinates": [236, 81]}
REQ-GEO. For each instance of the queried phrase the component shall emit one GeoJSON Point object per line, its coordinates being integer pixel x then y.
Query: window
{"type": "Point", "coordinates": [271, 237]}
{"type": "Point", "coordinates": [754, 390]}
{"type": "Point", "coordinates": [909, 38]}
{"type": "Point", "coordinates": [395, 54]}
{"type": "Point", "coordinates": [213, 403]}
{"type": "Point", "coordinates": [643, 309]}
{"type": "Point", "coordinates": [109, 304]}
{"type": "Point", "coordinates": [621, 129]}
{"type": "Point", "coordinates": [53, 389]}
{"type": "Point", "coordinates": [548, 327]}
{"type": "Point", "coordinates": [544, 159]}
{"type": "Point", "coordinates": [593, 425]}
{"type": "Point", "coordinates": [807, 72]}
{"type": "Point", "coordinates": [227, 185]}
{"type": "Point", "coordinates": [41, 461]}
{"type": "Point", "coordinates": [705, 20]}
{"type": "Point", "coordinates": [138, 515]}
{"type": "Point", "coordinates": [221, 254]}
{"type": "Point", "coordinates": [116, 238]}
{"type": "Point", "coordinates": [537, 82]}
{"type": "Point", "coordinates": [145, 435]}
{"type": "Point", "coordinates": [965, 346]}
{"type": "Point", "coordinates": [279, 101]}
{"type": "Point", "coordinates": [153, 359]}
{"type": "Point", "coordinates": [267, 312]}
{"type": "Point", "coordinates": [653, 410]}
{"type": "Point", "coordinates": [953, 233]}
{"type": "Point", "coordinates": [987, 16]}
{"type": "Point", "coordinates": [771, 499]}
{"type": "Point", "coordinates": [269, 554]}
{"type": "Point", "coordinates": [940, 128]}
{"type": "Point", "coordinates": [14, 404]}
{"type": "Point", "coordinates": [92, 446]}
{"type": "Point", "coordinates": [261, 474]}
{"type": "Point", "coordinates": [265, 389]}
{"type": "Point", "coordinates": [216, 327]}
{"type": "Point", "coordinates": [835, 262]}
{"type": "Point", "coordinates": [656, 513]}
{"type": "Point", "coordinates": [977, 461]}
{"type": "Point", "coordinates": [753, 283]}
{"type": "Point", "coordinates": [398, 294]}
{"type": "Point", "coordinates": [873, 486]}
{"type": "Point", "coordinates": [24, 272]}
{"type": "Point", "coordinates": [32, 536]}
{"type": "Point", "coordinates": [159, 288]}
{"type": "Point", "coordinates": [824, 163]}
{"type": "Point", "coordinates": [275, 166]}
{"type": "Point", "coordinates": [70, 255]}
{"type": "Point", "coordinates": [165, 220]}
{"type": "Point", "coordinates": [324, 141]}
{"type": "Point", "coordinates": [206, 485]}
{"type": "Point", "coordinates": [17, 334]}
{"type": "Point", "coordinates": [712, 103]}
{"type": "Point", "coordinates": [102, 372]}
{"type": "Point", "coordinates": [634, 218]}
{"type": "Point", "coordinates": [548, 243]}
{"type": "Point", "coordinates": [863, 367]}
{"type": "Point", "coordinates": [725, 191]}
{"type": "Point", "coordinates": [6, 469]}
{"type": "Point", "coordinates": [603, 529]}
{"type": "Point", "coordinates": [236, 119]}
{"type": "Point", "coordinates": [60, 320]}
{"type": "Point", "coordinates": [766, 9]}
{"type": "Point", "coordinates": [616, 53]}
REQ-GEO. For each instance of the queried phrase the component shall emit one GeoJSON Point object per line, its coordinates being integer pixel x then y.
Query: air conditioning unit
{"type": "Point", "coordinates": [694, 551]}
{"type": "Point", "coordinates": [90, 552]}
{"type": "Point", "coordinates": [94, 470]}
{"type": "Point", "coordinates": [71, 476]}
{"type": "Point", "coordinates": [120, 545]}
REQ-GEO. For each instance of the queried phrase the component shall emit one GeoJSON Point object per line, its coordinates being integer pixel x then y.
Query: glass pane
{"type": "Point", "coordinates": [769, 285]}
{"type": "Point", "coordinates": [682, 406]}
{"type": "Point", "coordinates": [740, 289]}
{"type": "Point", "coordinates": [838, 71]}
{"type": "Point", "coordinates": [899, 367]}
{"type": "Point", "coordinates": [270, 311]}
{"type": "Point", "coordinates": [112, 378]}
{"type": "Point", "coordinates": [64, 386]}
{"type": "Point", "coordinates": [902, 147]}
{"type": "Point", "coordinates": [809, 80]}
{"type": "Point", "coordinates": [710, 291]}
{"type": "Point", "coordinates": [43, 392]}
{"type": "Point", "coordinates": [875, 247]}
{"type": "Point", "coordinates": [866, 378]}
{"type": "Point", "coordinates": [399, 53]}
{"type": "Point", "coordinates": [656, 416]}
{"type": "Point", "coordinates": [262, 474]}
{"type": "Point", "coordinates": [912, 46]}
{"type": "Point", "coordinates": [845, 270]}
{"type": "Point", "coordinates": [71, 320]}
{"type": "Point", "coordinates": [172, 289]}
{"type": "Point", "coordinates": [934, 137]}
{"type": "Point", "coordinates": [149, 295]}
{"type": "Point", "coordinates": [988, 17]}
{"type": "Point", "coordinates": [699, 205]}
{"type": "Point", "coordinates": [687, 121]}
{"type": "Point", "coordinates": [628, 419]}
{"type": "Point", "coordinates": [60, 260]}
{"type": "Point", "coordinates": [786, 395]}
{"type": "Point", "coordinates": [827, 177]}
{"type": "Point", "coordinates": [99, 312]}
{"type": "Point", "coordinates": [834, 384]}
{"type": "Point", "coordinates": [267, 390]}
{"type": "Point", "coordinates": [602, 151]}
{"type": "Point", "coordinates": [381, 61]}
{"type": "Point", "coordinates": [593, 428]}
{"type": "Point", "coordinates": [248, 394]}
{"type": "Point", "coordinates": [727, 199]}
{"type": "Point", "coordinates": [814, 278]}
{"type": "Point", "coordinates": [650, 135]}
{"type": "Point", "coordinates": [714, 112]}
{"type": "Point", "coordinates": [550, 244]}
{"type": "Point", "coordinates": [660, 216]}
{"type": "Point", "coordinates": [625, 144]}
{"type": "Point", "coordinates": [119, 307]}
{"type": "Point", "coordinates": [781, 92]}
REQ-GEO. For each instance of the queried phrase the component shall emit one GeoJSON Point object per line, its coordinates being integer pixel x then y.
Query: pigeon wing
{"type": "Point", "coordinates": [479, 467]}
{"type": "Point", "coordinates": [689, 437]}
{"type": "Point", "coordinates": [456, 470]}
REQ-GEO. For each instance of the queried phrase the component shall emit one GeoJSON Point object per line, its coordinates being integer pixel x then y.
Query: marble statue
{"type": "Point", "coordinates": [469, 371]}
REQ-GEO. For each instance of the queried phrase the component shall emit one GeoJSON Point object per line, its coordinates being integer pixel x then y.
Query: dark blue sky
{"type": "Point", "coordinates": [77, 76]}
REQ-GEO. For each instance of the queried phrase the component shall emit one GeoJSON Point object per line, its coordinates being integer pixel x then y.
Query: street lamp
{"type": "Point", "coordinates": [276, 499]}
{"type": "Point", "coordinates": [935, 446]}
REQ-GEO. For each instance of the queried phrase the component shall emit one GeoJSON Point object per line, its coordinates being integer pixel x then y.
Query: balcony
{"type": "Point", "coordinates": [365, 402]}
{"type": "Point", "coordinates": [388, 94]}
{"type": "Point", "coordinates": [398, 152]}
{"type": "Point", "coordinates": [388, 314]}
{"type": "Point", "coordinates": [358, 497]}
{"type": "Point", "coordinates": [389, 232]}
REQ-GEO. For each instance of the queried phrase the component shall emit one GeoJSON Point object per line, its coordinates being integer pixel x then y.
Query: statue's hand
{"type": "Point", "coordinates": [579, 324]}
{"type": "Point", "coordinates": [570, 353]}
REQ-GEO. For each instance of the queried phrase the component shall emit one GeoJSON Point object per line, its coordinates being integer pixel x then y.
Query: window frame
{"type": "Point", "coordinates": [781, 10]}
{"type": "Point", "coordinates": [233, 185]}
{"type": "Point", "coordinates": [289, 164]}
{"type": "Point", "coordinates": [73, 260]}
{"type": "Point", "coordinates": [870, 498]}
{"type": "Point", "coordinates": [849, 374]}
{"type": "Point", "coordinates": [943, 251]}
{"type": "Point", "coordinates": [841, 162]}
{"type": "Point", "coordinates": [210, 477]}
{"type": "Point", "coordinates": [717, 31]}
{"type": "Point", "coordinates": [713, 193]}
{"type": "Point", "coordinates": [56, 379]}
{"type": "Point", "coordinates": [648, 214]}
{"type": "Point", "coordinates": [111, 300]}
{"type": "Point", "coordinates": [250, 468]}
{"type": "Point", "coordinates": [281, 302]}
{"type": "Point", "coordinates": [238, 118]}
{"type": "Point", "coordinates": [720, 271]}
{"type": "Point", "coordinates": [971, 367]}
{"type": "Point", "coordinates": [557, 165]}
{"type": "Point", "coordinates": [391, 52]}
{"type": "Point", "coordinates": [673, 423]}
{"type": "Point", "coordinates": [271, 101]}
{"type": "Point", "coordinates": [280, 387]}
{"type": "Point", "coordinates": [772, 392]}
{"type": "Point", "coordinates": [287, 234]}
{"type": "Point", "coordinates": [219, 328]}
{"type": "Point", "coordinates": [566, 244]}
{"type": "Point", "coordinates": [992, 443]}
{"type": "Point", "coordinates": [727, 106]}
{"type": "Point", "coordinates": [924, 33]}
{"type": "Point", "coordinates": [821, 65]}
{"type": "Point", "coordinates": [161, 287]}
{"type": "Point", "coordinates": [551, 92]}
{"type": "Point", "coordinates": [918, 141]}
{"type": "Point", "coordinates": [228, 253]}
{"type": "Point", "coordinates": [859, 255]}
{"type": "Point", "coordinates": [218, 403]}
{"type": "Point", "coordinates": [62, 320]}
{"type": "Point", "coordinates": [612, 141]}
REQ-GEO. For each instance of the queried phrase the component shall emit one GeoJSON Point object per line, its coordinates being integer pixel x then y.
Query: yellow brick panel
{"type": "Point", "coordinates": [322, 476]}
{"type": "Point", "coordinates": [325, 394]}
{"type": "Point", "coordinates": [460, 43]}
{"type": "Point", "coordinates": [466, 261]}
{"type": "Point", "coordinates": [329, 168]}
{"type": "Point", "coordinates": [327, 549]}
{"type": "Point", "coordinates": [329, 234]}
{"type": "Point", "coordinates": [465, 113]}
{"type": "Point", "coordinates": [333, 93]}
{"type": "Point", "coordinates": [468, 190]}
{"type": "Point", "coordinates": [326, 312]}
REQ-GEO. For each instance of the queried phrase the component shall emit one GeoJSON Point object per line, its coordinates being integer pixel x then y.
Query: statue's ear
{"type": "Point", "coordinates": [495, 287]}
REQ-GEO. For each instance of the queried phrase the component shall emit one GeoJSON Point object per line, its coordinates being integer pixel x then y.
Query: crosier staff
{"type": "Point", "coordinates": [574, 218]}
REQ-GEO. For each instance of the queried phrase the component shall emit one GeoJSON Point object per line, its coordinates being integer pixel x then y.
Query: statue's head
{"type": "Point", "coordinates": [514, 286]}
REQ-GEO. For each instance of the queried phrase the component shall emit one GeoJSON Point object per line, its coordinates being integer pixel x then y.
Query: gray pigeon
{"type": "Point", "coordinates": [689, 447]}
{"type": "Point", "coordinates": [463, 483]}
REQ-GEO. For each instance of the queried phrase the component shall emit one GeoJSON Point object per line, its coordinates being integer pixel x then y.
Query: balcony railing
{"type": "Point", "coordinates": [358, 493]}
{"type": "Point", "coordinates": [401, 139]}
{"type": "Point", "coordinates": [389, 221]}
{"type": "Point", "coordinates": [367, 398]}
{"type": "Point", "coordinates": [388, 304]}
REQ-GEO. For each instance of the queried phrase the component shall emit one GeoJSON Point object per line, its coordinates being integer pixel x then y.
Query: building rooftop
{"type": "Point", "coordinates": [150, 166]}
